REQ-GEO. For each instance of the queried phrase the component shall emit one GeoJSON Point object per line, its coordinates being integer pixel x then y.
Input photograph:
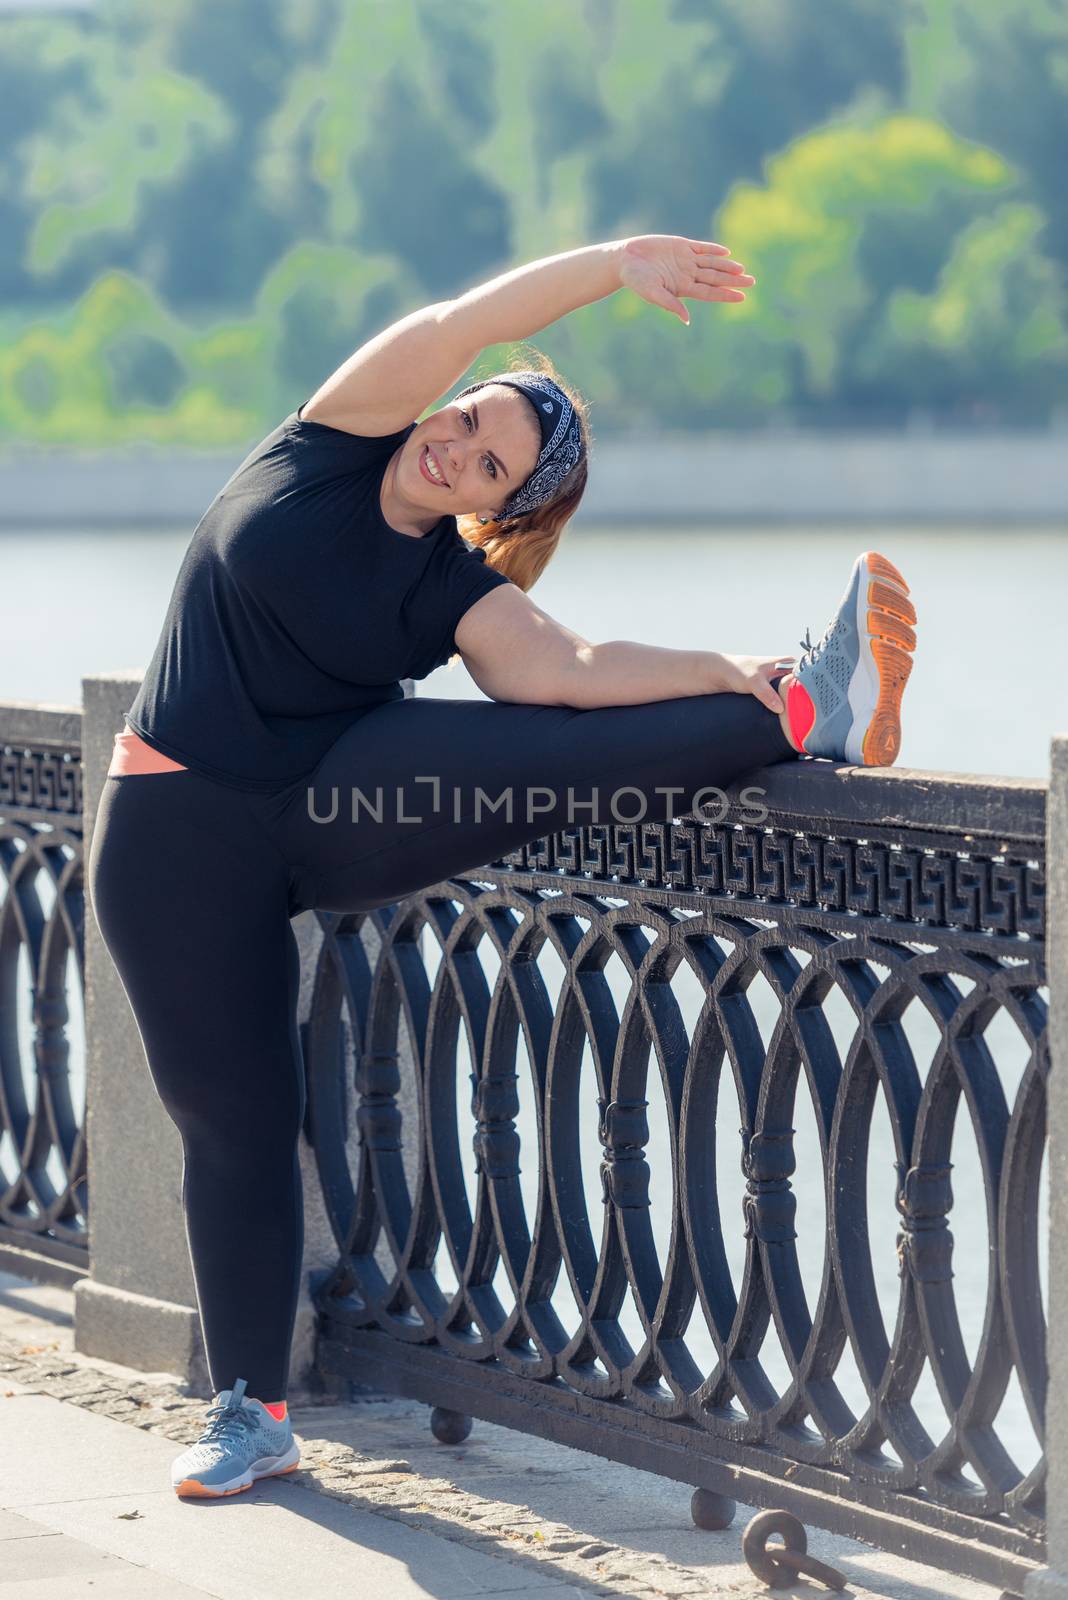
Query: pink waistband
{"type": "Point", "coordinates": [131, 754]}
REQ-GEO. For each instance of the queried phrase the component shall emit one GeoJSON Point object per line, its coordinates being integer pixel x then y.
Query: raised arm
{"type": "Point", "coordinates": [396, 375]}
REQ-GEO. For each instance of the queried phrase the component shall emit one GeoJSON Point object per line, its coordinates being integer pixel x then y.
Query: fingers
{"type": "Point", "coordinates": [765, 691]}
{"type": "Point", "coordinates": [732, 274]}
{"type": "Point", "coordinates": [659, 296]}
{"type": "Point", "coordinates": [723, 283]}
{"type": "Point", "coordinates": [716, 277]}
{"type": "Point", "coordinates": [704, 291]}
{"type": "Point", "coordinates": [768, 695]}
{"type": "Point", "coordinates": [713, 262]}
{"type": "Point", "coordinates": [709, 269]}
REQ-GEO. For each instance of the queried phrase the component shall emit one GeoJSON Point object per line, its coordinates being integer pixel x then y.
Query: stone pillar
{"type": "Point", "coordinates": [138, 1305]}
{"type": "Point", "coordinates": [1052, 1583]}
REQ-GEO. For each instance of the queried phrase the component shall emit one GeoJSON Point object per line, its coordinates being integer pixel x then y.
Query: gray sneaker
{"type": "Point", "coordinates": [846, 701]}
{"type": "Point", "coordinates": [242, 1442]}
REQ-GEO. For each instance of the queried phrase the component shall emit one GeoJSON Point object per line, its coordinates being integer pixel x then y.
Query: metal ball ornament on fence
{"type": "Point", "coordinates": [449, 1427]}
{"type": "Point", "coordinates": [712, 1511]}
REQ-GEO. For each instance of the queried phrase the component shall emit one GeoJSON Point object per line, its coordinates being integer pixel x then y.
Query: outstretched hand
{"type": "Point", "coordinates": [666, 270]}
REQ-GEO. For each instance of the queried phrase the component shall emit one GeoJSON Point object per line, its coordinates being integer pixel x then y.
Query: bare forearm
{"type": "Point", "coordinates": [528, 298]}
{"type": "Point", "coordinates": [623, 672]}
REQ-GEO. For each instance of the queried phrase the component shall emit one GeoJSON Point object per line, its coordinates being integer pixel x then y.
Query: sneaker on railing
{"type": "Point", "coordinates": [845, 700]}
{"type": "Point", "coordinates": [242, 1442]}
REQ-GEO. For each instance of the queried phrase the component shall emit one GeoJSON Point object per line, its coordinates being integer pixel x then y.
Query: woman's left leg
{"type": "Point", "coordinates": [418, 790]}
{"type": "Point", "coordinates": [193, 907]}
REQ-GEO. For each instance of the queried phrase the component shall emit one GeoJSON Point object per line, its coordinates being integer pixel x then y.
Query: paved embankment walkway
{"type": "Point", "coordinates": [379, 1510]}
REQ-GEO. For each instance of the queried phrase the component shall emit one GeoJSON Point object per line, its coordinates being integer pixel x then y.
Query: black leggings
{"type": "Point", "coordinates": [193, 885]}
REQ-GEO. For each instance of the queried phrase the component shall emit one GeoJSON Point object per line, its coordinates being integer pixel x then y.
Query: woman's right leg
{"type": "Point", "coordinates": [418, 790]}
{"type": "Point", "coordinates": [191, 901]}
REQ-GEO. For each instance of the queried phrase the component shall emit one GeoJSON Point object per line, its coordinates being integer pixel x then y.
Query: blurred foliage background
{"type": "Point", "coordinates": [206, 205]}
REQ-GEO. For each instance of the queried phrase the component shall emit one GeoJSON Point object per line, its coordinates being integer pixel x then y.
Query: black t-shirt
{"type": "Point", "coordinates": [297, 607]}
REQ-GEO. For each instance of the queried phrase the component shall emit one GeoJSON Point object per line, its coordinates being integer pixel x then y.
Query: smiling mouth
{"type": "Point", "coordinates": [431, 468]}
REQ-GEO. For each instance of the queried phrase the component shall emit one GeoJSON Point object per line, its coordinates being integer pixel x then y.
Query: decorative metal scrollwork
{"type": "Point", "coordinates": [43, 1189]}
{"type": "Point", "coordinates": [495, 1264]}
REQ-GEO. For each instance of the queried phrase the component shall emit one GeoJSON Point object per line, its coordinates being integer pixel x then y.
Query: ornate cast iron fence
{"type": "Point", "coordinates": [859, 985]}
{"type": "Point", "coordinates": [43, 1194]}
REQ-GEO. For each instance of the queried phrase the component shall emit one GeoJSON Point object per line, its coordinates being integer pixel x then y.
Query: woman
{"type": "Point", "coordinates": [272, 765]}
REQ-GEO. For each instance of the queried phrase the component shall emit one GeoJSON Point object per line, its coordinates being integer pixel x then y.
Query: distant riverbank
{"type": "Point", "coordinates": [708, 478]}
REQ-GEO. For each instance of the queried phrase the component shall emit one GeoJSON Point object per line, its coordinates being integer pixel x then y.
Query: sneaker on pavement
{"type": "Point", "coordinates": [241, 1442]}
{"type": "Point", "coordinates": [845, 700]}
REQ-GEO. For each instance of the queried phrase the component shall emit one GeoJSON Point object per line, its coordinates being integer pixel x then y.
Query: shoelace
{"type": "Point", "coordinates": [225, 1423]}
{"type": "Point", "coordinates": [813, 650]}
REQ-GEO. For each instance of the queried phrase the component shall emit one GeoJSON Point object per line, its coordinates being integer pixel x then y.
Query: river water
{"type": "Point", "coordinates": [985, 696]}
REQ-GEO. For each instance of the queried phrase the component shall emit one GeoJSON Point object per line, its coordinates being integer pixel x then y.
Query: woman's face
{"type": "Point", "coordinates": [472, 454]}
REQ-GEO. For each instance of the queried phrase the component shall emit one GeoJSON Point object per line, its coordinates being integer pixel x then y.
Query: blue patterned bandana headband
{"type": "Point", "coordinates": [562, 444]}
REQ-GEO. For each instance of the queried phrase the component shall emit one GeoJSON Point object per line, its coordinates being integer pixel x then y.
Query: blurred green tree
{"type": "Point", "coordinates": [37, 75]}
{"type": "Point", "coordinates": [997, 70]}
{"type": "Point", "coordinates": [316, 306]}
{"type": "Point", "coordinates": [993, 326]}
{"type": "Point", "coordinates": [132, 123]}
{"type": "Point", "coordinates": [844, 324]}
{"type": "Point", "coordinates": [213, 205]}
{"type": "Point", "coordinates": [742, 79]}
{"type": "Point", "coordinates": [857, 229]}
{"type": "Point", "coordinates": [114, 367]}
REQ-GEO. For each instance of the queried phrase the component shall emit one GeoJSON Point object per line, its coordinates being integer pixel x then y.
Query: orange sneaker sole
{"type": "Point", "coordinates": [891, 615]}
{"type": "Point", "coordinates": [190, 1489]}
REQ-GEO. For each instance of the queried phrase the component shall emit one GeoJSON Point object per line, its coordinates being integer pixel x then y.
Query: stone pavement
{"type": "Point", "coordinates": [378, 1509]}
